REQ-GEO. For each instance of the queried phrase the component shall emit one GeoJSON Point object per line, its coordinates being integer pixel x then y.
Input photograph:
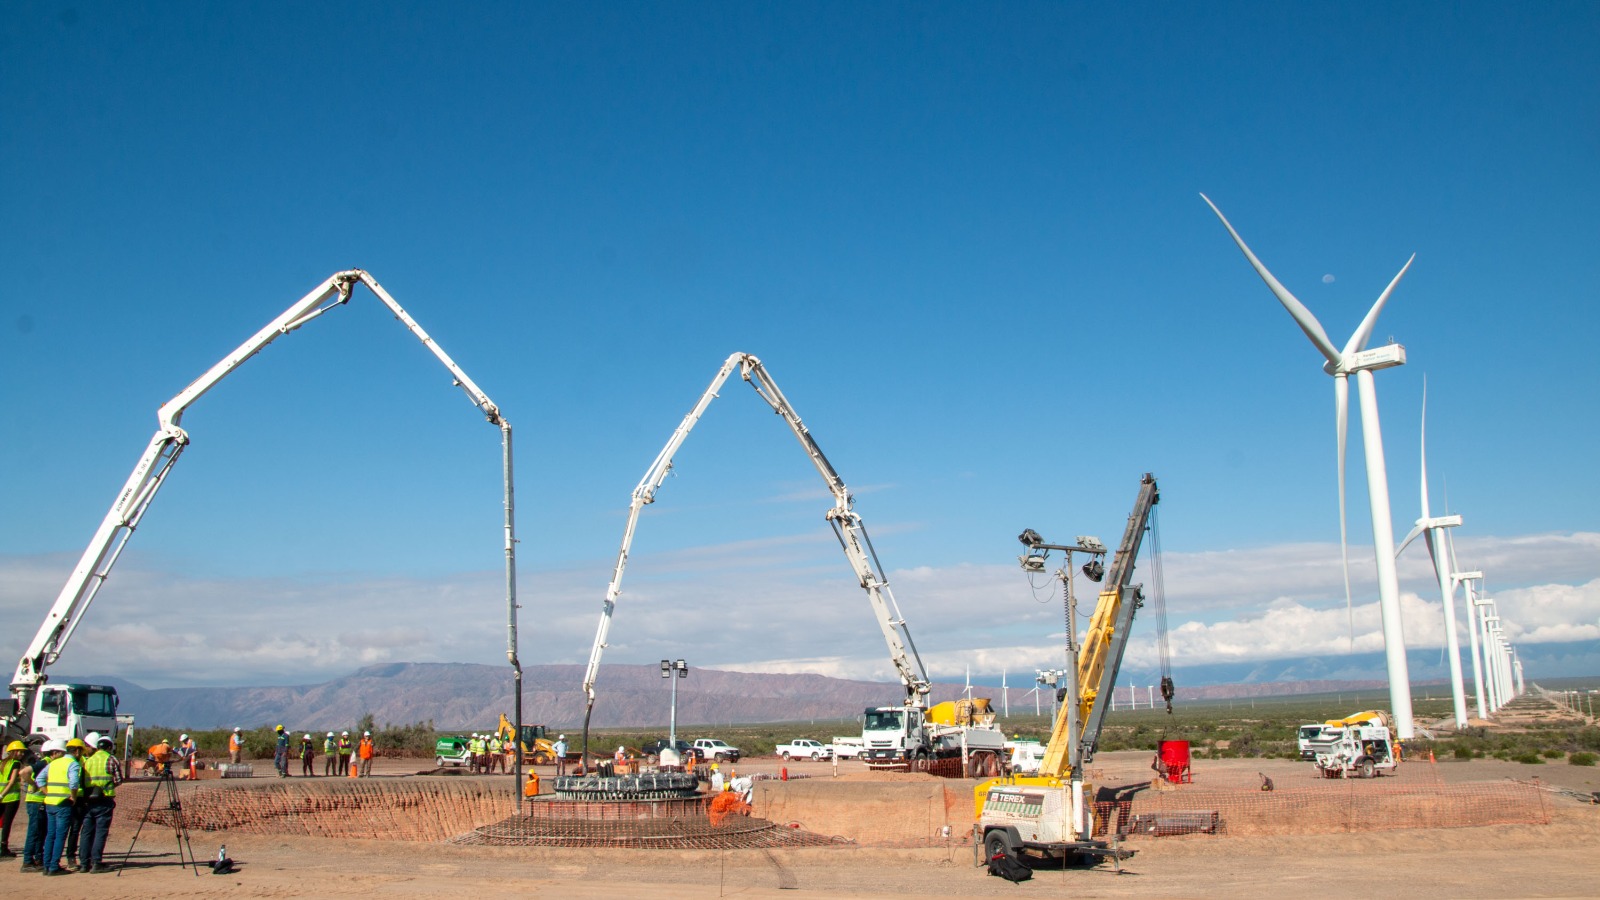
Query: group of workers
{"type": "Point", "coordinates": [341, 754]}
{"type": "Point", "coordinates": [70, 795]}
{"type": "Point", "coordinates": [337, 753]}
{"type": "Point", "coordinates": [491, 753]}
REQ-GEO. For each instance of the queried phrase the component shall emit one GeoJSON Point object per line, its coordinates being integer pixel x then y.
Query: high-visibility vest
{"type": "Point", "coordinates": [344, 745]}
{"type": "Point", "coordinates": [330, 747]}
{"type": "Point", "coordinates": [234, 743]}
{"type": "Point", "coordinates": [97, 771]}
{"type": "Point", "coordinates": [58, 777]}
{"type": "Point", "coordinates": [6, 769]}
{"type": "Point", "coordinates": [366, 748]}
{"type": "Point", "coordinates": [30, 790]}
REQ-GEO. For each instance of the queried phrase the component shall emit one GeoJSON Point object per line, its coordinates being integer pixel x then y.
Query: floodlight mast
{"type": "Point", "coordinates": [847, 527]}
{"type": "Point", "coordinates": [169, 442]}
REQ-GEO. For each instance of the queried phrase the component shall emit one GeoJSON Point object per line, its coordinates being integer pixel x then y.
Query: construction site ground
{"type": "Point", "coordinates": [887, 841]}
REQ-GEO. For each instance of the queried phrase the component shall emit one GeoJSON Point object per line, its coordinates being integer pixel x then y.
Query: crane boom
{"type": "Point", "coordinates": [1100, 658]}
{"type": "Point", "coordinates": [168, 444]}
{"type": "Point", "coordinates": [847, 527]}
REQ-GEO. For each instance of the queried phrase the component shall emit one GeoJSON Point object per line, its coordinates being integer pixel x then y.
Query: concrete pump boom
{"type": "Point", "coordinates": [847, 527]}
{"type": "Point", "coordinates": [169, 442]}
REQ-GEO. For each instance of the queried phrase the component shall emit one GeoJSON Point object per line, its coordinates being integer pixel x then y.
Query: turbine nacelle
{"type": "Point", "coordinates": [1385, 357]}
{"type": "Point", "coordinates": [1459, 577]}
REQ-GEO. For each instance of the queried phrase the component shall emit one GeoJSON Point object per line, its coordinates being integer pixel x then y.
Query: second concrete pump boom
{"type": "Point", "coordinates": [169, 442]}
{"type": "Point", "coordinates": [847, 527]}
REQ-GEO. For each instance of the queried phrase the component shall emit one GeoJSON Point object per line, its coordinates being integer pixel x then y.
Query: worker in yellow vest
{"type": "Point", "coordinates": [60, 780]}
{"type": "Point", "coordinates": [345, 748]}
{"type": "Point", "coordinates": [10, 792]}
{"type": "Point", "coordinates": [330, 755]}
{"type": "Point", "coordinates": [76, 749]}
{"type": "Point", "coordinates": [101, 775]}
{"type": "Point", "coordinates": [33, 800]}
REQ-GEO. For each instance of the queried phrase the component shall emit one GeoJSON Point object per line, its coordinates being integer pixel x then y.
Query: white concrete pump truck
{"type": "Point", "coordinates": [41, 710]}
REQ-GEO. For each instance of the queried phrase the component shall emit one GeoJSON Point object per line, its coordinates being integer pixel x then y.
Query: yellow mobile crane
{"type": "Point", "coordinates": [1047, 813]}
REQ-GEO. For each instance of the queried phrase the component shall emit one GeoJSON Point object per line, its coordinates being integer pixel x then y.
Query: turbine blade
{"type": "Point", "coordinates": [1308, 323]}
{"type": "Point", "coordinates": [1358, 341]}
{"type": "Point", "coordinates": [1416, 530]}
{"type": "Point", "coordinates": [1424, 443]}
{"type": "Point", "coordinates": [1341, 408]}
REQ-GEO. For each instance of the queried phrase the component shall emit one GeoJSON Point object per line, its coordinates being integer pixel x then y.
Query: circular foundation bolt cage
{"type": "Point", "coordinates": [649, 786]}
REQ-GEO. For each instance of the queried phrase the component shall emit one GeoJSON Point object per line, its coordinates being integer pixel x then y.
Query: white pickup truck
{"type": "Point", "coordinates": [714, 749]}
{"type": "Point", "coordinates": [805, 748]}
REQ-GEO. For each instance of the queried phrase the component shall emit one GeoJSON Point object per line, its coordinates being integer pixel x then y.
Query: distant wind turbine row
{"type": "Point", "coordinates": [1500, 675]}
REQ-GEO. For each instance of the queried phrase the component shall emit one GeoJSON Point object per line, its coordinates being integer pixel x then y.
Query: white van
{"type": "Point", "coordinates": [848, 747]}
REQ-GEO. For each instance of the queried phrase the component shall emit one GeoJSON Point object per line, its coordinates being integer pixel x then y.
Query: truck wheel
{"type": "Point", "coordinates": [785, 755]}
{"type": "Point", "coordinates": [995, 844]}
{"type": "Point", "coordinates": [438, 762]}
{"type": "Point", "coordinates": [1365, 768]}
{"type": "Point", "coordinates": [815, 756]}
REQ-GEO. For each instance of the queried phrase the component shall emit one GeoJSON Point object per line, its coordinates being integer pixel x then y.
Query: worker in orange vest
{"type": "Point", "coordinates": [235, 746]}
{"type": "Point", "coordinates": [365, 752]}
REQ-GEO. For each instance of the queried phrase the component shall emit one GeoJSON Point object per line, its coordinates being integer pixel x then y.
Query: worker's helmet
{"type": "Point", "coordinates": [183, 737]}
{"type": "Point", "coordinates": [562, 738]}
{"type": "Point", "coordinates": [92, 739]}
{"type": "Point", "coordinates": [236, 730]}
{"type": "Point", "coordinates": [53, 746]}
{"type": "Point", "coordinates": [76, 744]}
{"type": "Point", "coordinates": [308, 737]}
{"type": "Point", "coordinates": [366, 734]}
{"type": "Point", "coordinates": [344, 734]}
{"type": "Point", "coordinates": [280, 727]}
{"type": "Point", "coordinates": [330, 734]}
{"type": "Point", "coordinates": [16, 745]}
{"type": "Point", "coordinates": [105, 743]}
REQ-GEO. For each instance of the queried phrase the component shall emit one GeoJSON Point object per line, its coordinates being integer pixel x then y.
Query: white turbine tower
{"type": "Point", "coordinates": [1468, 578]}
{"type": "Point", "coordinates": [1433, 532]}
{"type": "Point", "coordinates": [1355, 358]}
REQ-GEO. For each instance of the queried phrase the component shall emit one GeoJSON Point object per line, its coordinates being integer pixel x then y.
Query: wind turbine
{"type": "Point", "coordinates": [1355, 358]}
{"type": "Point", "coordinates": [1432, 531]}
{"type": "Point", "coordinates": [1469, 578]}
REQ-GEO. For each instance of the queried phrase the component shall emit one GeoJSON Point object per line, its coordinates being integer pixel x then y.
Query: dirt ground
{"type": "Point", "coordinates": [1554, 860]}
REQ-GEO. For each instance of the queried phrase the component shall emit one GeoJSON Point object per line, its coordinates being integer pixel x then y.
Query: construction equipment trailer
{"type": "Point", "coordinates": [847, 527]}
{"type": "Point", "coordinates": [41, 711]}
{"type": "Point", "coordinates": [1049, 813]}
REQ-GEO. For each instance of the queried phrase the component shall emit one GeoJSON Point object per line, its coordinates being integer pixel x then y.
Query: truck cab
{"type": "Point", "coordinates": [66, 711]}
{"type": "Point", "coordinates": [894, 734]}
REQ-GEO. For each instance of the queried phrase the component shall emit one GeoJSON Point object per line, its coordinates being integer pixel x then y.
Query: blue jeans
{"type": "Point", "coordinates": [57, 820]}
{"type": "Point", "coordinates": [33, 844]}
{"type": "Point", "coordinates": [96, 827]}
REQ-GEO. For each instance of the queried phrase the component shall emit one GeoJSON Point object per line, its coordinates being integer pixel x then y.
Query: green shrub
{"type": "Point", "coordinates": [1529, 758]}
{"type": "Point", "coordinates": [1552, 753]}
{"type": "Point", "coordinates": [1464, 752]}
{"type": "Point", "coordinates": [1583, 758]}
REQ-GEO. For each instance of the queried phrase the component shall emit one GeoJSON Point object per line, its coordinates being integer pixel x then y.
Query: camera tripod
{"type": "Point", "coordinates": [167, 788]}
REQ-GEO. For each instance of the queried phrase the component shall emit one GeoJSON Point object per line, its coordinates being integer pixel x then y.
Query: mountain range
{"type": "Point", "coordinates": [468, 696]}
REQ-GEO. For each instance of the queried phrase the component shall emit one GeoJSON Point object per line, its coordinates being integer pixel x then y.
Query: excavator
{"type": "Point", "coordinates": [537, 748]}
{"type": "Point", "coordinates": [41, 710]}
{"type": "Point", "coordinates": [847, 527]}
{"type": "Point", "coordinates": [1048, 813]}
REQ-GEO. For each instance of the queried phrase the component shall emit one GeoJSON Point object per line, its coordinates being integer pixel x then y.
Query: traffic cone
{"type": "Point", "coordinates": [353, 769]}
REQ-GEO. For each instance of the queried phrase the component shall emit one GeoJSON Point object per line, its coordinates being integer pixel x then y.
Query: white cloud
{"type": "Point", "coordinates": [778, 605]}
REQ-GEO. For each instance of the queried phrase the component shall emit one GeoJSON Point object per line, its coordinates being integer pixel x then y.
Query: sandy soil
{"type": "Point", "coordinates": [1555, 860]}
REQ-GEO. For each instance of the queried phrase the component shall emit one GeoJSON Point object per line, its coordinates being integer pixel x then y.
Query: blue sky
{"type": "Point", "coordinates": [967, 241]}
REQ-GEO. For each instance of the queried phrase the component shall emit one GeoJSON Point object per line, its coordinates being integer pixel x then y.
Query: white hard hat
{"type": "Point", "coordinates": [330, 734]}
{"type": "Point", "coordinates": [53, 745]}
{"type": "Point", "coordinates": [236, 729]}
{"type": "Point", "coordinates": [345, 733]}
{"type": "Point", "coordinates": [562, 738]}
{"type": "Point", "coordinates": [183, 737]}
{"type": "Point", "coordinates": [366, 734]}
{"type": "Point", "coordinates": [92, 739]}
{"type": "Point", "coordinates": [308, 737]}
